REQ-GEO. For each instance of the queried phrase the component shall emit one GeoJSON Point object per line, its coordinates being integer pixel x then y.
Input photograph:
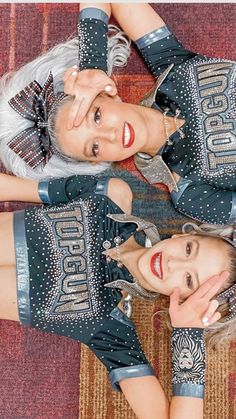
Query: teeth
{"type": "Point", "coordinates": [157, 265]}
{"type": "Point", "coordinates": [126, 134]}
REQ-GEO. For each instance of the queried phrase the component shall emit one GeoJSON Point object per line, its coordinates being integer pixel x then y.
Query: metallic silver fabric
{"type": "Point", "coordinates": [22, 268]}
{"type": "Point", "coordinates": [155, 170]}
{"type": "Point", "coordinates": [94, 13]}
{"type": "Point", "coordinates": [133, 288]}
{"type": "Point", "coordinates": [119, 374]}
{"type": "Point", "coordinates": [43, 192]}
{"type": "Point", "coordinates": [149, 99]}
{"type": "Point", "coordinates": [143, 225]}
{"type": "Point", "coordinates": [188, 390]}
{"type": "Point", "coordinates": [118, 315]}
{"type": "Point", "coordinates": [152, 37]}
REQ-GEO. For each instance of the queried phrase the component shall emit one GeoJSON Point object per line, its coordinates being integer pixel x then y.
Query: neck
{"type": "Point", "coordinates": [156, 137]}
{"type": "Point", "coordinates": [160, 127]}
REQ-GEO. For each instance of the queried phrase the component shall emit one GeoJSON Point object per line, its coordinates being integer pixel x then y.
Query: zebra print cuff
{"type": "Point", "coordinates": [188, 360]}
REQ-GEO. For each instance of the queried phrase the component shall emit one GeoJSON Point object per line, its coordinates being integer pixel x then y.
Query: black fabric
{"type": "Point", "coordinates": [203, 89]}
{"type": "Point", "coordinates": [68, 270]}
{"type": "Point", "coordinates": [92, 44]}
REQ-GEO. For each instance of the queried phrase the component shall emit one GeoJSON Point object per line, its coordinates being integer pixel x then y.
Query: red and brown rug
{"type": "Point", "coordinates": [45, 376]}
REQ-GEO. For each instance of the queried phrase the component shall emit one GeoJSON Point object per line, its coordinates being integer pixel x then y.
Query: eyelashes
{"type": "Point", "coordinates": [188, 248]}
{"type": "Point", "coordinates": [97, 116]}
{"type": "Point", "coordinates": [189, 280]}
{"type": "Point", "coordinates": [95, 149]}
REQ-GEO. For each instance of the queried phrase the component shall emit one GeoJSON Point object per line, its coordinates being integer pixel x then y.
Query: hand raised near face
{"type": "Point", "coordinates": [198, 310]}
{"type": "Point", "coordinates": [85, 85]}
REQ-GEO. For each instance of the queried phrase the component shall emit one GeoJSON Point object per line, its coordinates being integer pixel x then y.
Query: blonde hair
{"type": "Point", "coordinates": [57, 60]}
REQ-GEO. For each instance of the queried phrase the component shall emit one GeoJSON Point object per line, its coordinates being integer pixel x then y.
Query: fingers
{"type": "Point", "coordinates": [82, 110]}
{"type": "Point", "coordinates": [74, 111]}
{"type": "Point", "coordinates": [219, 281]}
{"type": "Point", "coordinates": [69, 80]}
{"type": "Point", "coordinates": [211, 311]}
{"type": "Point", "coordinates": [111, 89]}
{"type": "Point", "coordinates": [216, 316]}
{"type": "Point", "coordinates": [211, 286]}
{"type": "Point", "coordinates": [69, 71]}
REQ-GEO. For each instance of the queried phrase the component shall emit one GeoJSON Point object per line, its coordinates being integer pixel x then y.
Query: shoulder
{"type": "Point", "coordinates": [120, 193]}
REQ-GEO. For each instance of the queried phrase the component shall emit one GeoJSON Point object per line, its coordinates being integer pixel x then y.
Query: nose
{"type": "Point", "coordinates": [174, 264]}
{"type": "Point", "coordinates": [109, 135]}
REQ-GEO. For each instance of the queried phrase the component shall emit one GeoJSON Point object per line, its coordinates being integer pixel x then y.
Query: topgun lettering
{"type": "Point", "coordinates": [73, 295]}
{"type": "Point", "coordinates": [219, 130]}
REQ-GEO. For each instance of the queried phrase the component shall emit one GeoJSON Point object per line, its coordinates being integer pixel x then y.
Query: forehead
{"type": "Point", "coordinates": [213, 256]}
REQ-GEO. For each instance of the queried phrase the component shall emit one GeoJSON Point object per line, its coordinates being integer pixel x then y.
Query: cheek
{"type": "Point", "coordinates": [174, 280]}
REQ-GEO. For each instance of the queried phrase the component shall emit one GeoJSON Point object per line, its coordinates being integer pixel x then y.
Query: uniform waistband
{"type": "Point", "coordinates": [22, 267]}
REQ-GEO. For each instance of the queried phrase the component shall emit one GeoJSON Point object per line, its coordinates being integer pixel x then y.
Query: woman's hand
{"type": "Point", "coordinates": [198, 310]}
{"type": "Point", "coordinates": [85, 86]}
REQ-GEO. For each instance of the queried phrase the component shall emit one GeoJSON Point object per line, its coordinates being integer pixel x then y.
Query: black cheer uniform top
{"type": "Point", "coordinates": [202, 91]}
{"type": "Point", "coordinates": [67, 272]}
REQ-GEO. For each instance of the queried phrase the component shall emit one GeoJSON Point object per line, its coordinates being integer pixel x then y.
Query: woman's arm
{"type": "Point", "coordinates": [136, 19]}
{"type": "Point", "coordinates": [91, 79]}
{"type": "Point", "coordinates": [204, 202]}
{"type": "Point", "coordinates": [14, 188]}
{"type": "Point", "coordinates": [145, 394]}
{"type": "Point", "coordinates": [146, 397]}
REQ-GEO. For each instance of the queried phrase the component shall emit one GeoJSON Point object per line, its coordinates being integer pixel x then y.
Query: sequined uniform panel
{"type": "Point", "coordinates": [67, 270]}
{"type": "Point", "coordinates": [205, 98]}
{"type": "Point", "coordinates": [201, 90]}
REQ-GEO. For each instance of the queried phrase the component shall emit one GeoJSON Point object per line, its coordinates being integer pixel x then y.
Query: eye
{"type": "Point", "coordinates": [97, 116]}
{"type": "Point", "coordinates": [95, 149]}
{"type": "Point", "coordinates": [189, 281]}
{"type": "Point", "coordinates": [188, 248]}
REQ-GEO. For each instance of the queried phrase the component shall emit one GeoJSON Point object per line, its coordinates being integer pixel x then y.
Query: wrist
{"type": "Point", "coordinates": [92, 32]}
{"type": "Point", "coordinates": [188, 362]}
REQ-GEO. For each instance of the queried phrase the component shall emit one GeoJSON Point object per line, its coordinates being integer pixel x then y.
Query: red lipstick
{"type": "Point", "coordinates": [156, 265]}
{"type": "Point", "coordinates": [128, 135]}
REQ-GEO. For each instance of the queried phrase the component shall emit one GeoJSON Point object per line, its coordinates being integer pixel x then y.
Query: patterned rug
{"type": "Point", "coordinates": [45, 376]}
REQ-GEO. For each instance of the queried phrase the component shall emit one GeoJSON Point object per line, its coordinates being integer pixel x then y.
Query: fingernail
{"type": "Point", "coordinates": [205, 321]}
{"type": "Point", "coordinates": [108, 88]}
{"type": "Point", "coordinates": [75, 66]}
{"type": "Point", "coordinates": [74, 73]}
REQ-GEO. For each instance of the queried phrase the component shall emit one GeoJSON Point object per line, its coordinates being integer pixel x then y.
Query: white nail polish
{"type": "Point", "coordinates": [205, 321]}
{"type": "Point", "coordinates": [75, 66]}
{"type": "Point", "coordinates": [108, 88]}
{"type": "Point", "coordinates": [74, 73]}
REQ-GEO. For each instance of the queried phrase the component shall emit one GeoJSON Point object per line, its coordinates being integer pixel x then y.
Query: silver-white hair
{"type": "Point", "coordinates": [57, 60]}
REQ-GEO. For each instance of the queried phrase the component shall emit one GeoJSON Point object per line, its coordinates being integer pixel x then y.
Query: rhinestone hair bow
{"type": "Point", "coordinates": [35, 103]}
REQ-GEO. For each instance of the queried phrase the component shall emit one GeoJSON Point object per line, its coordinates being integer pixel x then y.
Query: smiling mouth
{"type": "Point", "coordinates": [128, 135]}
{"type": "Point", "coordinates": [156, 264]}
